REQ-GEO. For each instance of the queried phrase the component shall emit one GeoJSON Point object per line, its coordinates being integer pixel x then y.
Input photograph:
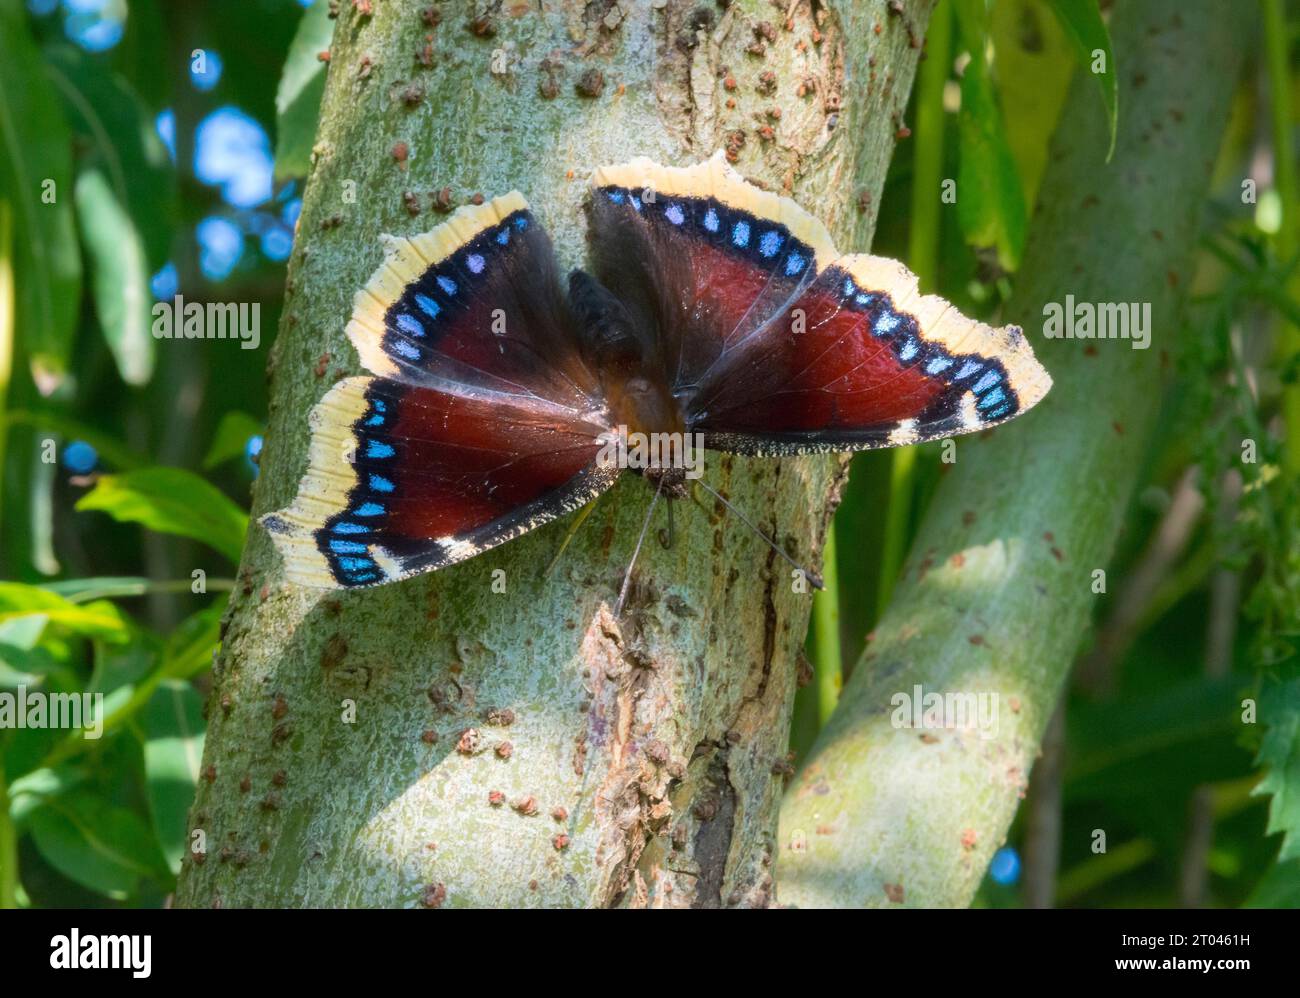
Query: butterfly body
{"type": "Point", "coordinates": [712, 312]}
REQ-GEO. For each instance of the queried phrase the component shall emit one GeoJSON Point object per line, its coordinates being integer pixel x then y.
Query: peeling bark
{"type": "Point", "coordinates": [640, 767]}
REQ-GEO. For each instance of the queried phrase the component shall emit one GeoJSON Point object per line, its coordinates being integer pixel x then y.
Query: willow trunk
{"type": "Point", "coordinates": [358, 741]}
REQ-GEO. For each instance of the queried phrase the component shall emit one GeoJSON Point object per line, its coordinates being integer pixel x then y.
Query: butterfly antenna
{"type": "Point", "coordinates": [627, 576]}
{"type": "Point", "coordinates": [808, 574]}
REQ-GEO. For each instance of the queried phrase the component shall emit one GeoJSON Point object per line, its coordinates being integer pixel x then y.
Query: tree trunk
{"type": "Point", "coordinates": [647, 750]}
{"type": "Point", "coordinates": [999, 590]}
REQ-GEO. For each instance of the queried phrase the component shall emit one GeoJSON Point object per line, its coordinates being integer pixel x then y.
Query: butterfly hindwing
{"type": "Point", "coordinates": [474, 307]}
{"type": "Point", "coordinates": [405, 479]}
{"type": "Point", "coordinates": [860, 360]}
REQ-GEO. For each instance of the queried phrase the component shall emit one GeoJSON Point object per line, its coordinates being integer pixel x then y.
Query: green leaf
{"type": "Point", "coordinates": [1082, 22]}
{"type": "Point", "coordinates": [36, 789]}
{"type": "Point", "coordinates": [231, 438]}
{"type": "Point", "coordinates": [23, 666]}
{"type": "Point", "coordinates": [172, 728]}
{"type": "Point", "coordinates": [302, 84]}
{"type": "Point", "coordinates": [119, 276]}
{"type": "Point", "coordinates": [1279, 754]}
{"type": "Point", "coordinates": [99, 587]}
{"type": "Point", "coordinates": [100, 845]}
{"type": "Point", "coordinates": [117, 137]}
{"type": "Point", "coordinates": [1033, 67]}
{"type": "Point", "coordinates": [36, 181]}
{"type": "Point", "coordinates": [22, 632]}
{"type": "Point", "coordinates": [1279, 887]}
{"type": "Point", "coordinates": [189, 648]}
{"type": "Point", "coordinates": [990, 200]}
{"type": "Point", "coordinates": [171, 501]}
{"type": "Point", "coordinates": [100, 619]}
{"type": "Point", "coordinates": [110, 449]}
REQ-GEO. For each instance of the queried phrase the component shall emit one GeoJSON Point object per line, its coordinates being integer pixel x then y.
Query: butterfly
{"type": "Point", "coordinates": [712, 308]}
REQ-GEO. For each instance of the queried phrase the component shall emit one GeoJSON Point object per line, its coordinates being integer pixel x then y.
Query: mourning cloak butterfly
{"type": "Point", "coordinates": [712, 308]}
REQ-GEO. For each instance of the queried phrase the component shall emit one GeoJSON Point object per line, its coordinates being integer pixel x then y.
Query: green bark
{"type": "Point", "coordinates": [997, 595]}
{"type": "Point", "coordinates": [658, 738]}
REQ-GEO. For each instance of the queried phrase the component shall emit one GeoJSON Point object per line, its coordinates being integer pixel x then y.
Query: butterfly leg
{"type": "Point", "coordinates": [666, 537]}
{"type": "Point", "coordinates": [636, 553]}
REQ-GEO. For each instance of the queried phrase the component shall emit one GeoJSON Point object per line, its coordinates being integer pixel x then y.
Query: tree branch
{"type": "Point", "coordinates": [997, 595]}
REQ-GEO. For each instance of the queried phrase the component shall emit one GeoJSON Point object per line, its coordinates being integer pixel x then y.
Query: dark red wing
{"type": "Point", "coordinates": [775, 344]}
{"type": "Point", "coordinates": [405, 480]}
{"type": "Point", "coordinates": [704, 257]}
{"type": "Point", "coordinates": [481, 425]}
{"type": "Point", "coordinates": [475, 307]}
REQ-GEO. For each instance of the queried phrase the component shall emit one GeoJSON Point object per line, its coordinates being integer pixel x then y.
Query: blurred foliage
{"type": "Point", "coordinates": [135, 164]}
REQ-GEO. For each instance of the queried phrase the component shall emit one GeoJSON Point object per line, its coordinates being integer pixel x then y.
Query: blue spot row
{"type": "Point", "coordinates": [760, 239]}
{"type": "Point", "coordinates": [345, 538]}
{"type": "Point", "coordinates": [986, 378]}
{"type": "Point", "coordinates": [427, 304]}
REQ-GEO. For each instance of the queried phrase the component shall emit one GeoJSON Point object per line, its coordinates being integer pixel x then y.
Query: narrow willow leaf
{"type": "Point", "coordinates": [1033, 67]}
{"type": "Point", "coordinates": [171, 727]}
{"type": "Point", "coordinates": [119, 276]}
{"type": "Point", "coordinates": [1082, 22]}
{"type": "Point", "coordinates": [990, 200]}
{"type": "Point", "coordinates": [36, 181]}
{"type": "Point", "coordinates": [116, 136]}
{"type": "Point", "coordinates": [100, 619]}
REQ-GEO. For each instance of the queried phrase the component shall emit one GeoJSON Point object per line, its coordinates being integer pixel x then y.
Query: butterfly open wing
{"type": "Point", "coordinates": [482, 424]}
{"type": "Point", "coordinates": [778, 344]}
{"type": "Point", "coordinates": [404, 479]}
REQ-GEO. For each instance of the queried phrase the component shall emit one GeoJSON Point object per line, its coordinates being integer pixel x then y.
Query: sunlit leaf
{"type": "Point", "coordinates": [171, 501]}
{"type": "Point", "coordinates": [990, 200]}
{"type": "Point", "coordinates": [100, 619]}
{"type": "Point", "coordinates": [302, 84]}
{"type": "Point", "coordinates": [1032, 70]}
